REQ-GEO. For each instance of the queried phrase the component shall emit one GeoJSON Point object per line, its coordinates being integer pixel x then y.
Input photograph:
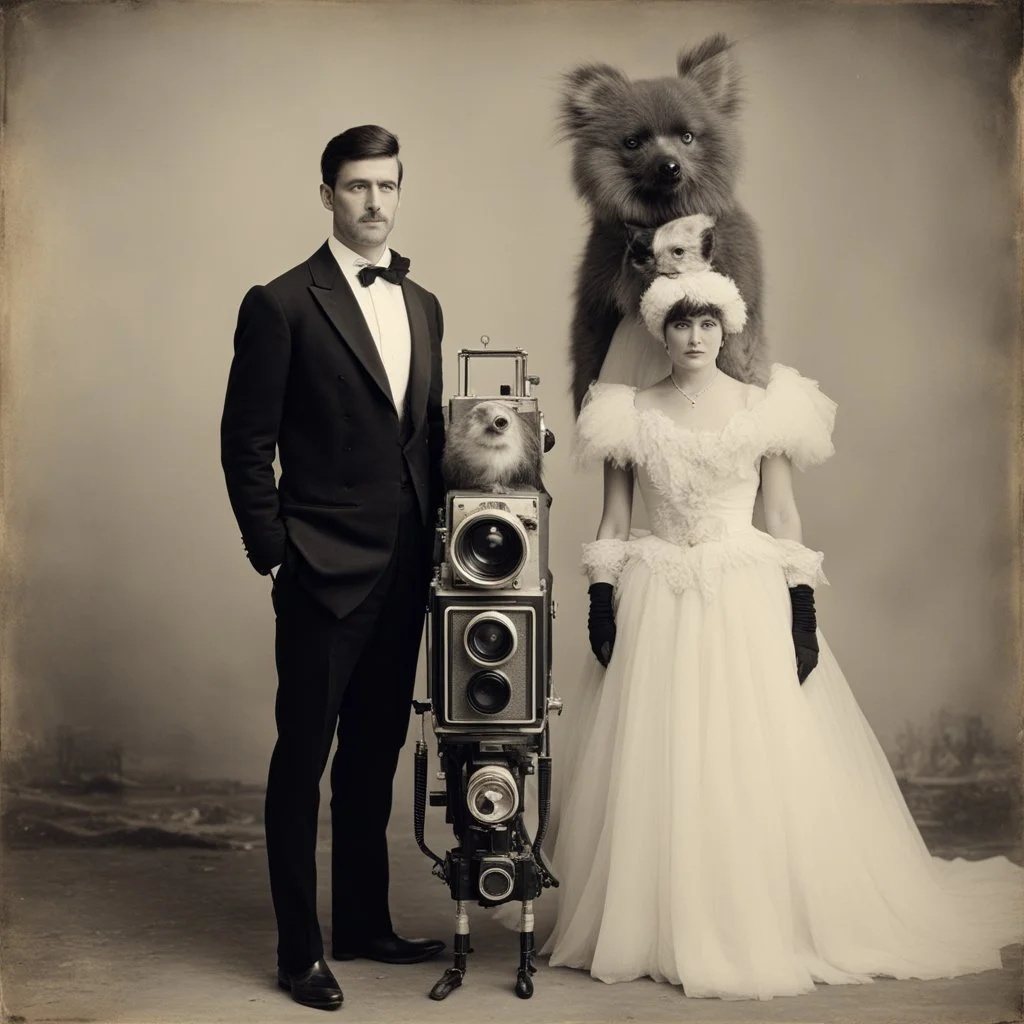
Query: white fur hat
{"type": "Point", "coordinates": [703, 287]}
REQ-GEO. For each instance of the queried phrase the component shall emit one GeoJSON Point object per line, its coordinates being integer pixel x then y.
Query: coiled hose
{"type": "Point", "coordinates": [419, 808]}
{"type": "Point", "coordinates": [543, 798]}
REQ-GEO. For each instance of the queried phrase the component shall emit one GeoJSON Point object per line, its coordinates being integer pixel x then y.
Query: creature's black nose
{"type": "Point", "coordinates": [670, 170]}
{"type": "Point", "coordinates": [500, 423]}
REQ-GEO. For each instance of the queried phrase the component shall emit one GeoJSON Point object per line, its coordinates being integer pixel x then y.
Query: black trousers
{"type": "Point", "coordinates": [353, 676]}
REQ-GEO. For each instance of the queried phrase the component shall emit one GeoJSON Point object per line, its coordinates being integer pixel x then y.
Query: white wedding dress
{"type": "Point", "coordinates": [723, 827]}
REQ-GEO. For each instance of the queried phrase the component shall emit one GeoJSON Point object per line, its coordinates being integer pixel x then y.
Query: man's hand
{"type": "Point", "coordinates": [251, 421]}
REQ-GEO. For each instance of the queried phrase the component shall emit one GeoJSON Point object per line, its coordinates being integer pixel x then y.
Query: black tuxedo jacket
{"type": "Point", "coordinates": [307, 380]}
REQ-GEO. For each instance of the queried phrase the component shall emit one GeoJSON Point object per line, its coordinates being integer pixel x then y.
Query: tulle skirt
{"type": "Point", "coordinates": [729, 830]}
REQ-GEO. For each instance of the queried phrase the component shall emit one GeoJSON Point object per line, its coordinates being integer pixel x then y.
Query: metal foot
{"type": "Point", "coordinates": [524, 984]}
{"type": "Point", "coordinates": [452, 978]}
{"type": "Point", "coordinates": [447, 984]}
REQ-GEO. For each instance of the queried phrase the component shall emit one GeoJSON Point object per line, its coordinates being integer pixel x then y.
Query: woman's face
{"type": "Point", "coordinates": [693, 342]}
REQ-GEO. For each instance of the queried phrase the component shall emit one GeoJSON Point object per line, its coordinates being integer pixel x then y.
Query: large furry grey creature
{"type": "Point", "coordinates": [646, 152]}
{"type": "Point", "coordinates": [492, 448]}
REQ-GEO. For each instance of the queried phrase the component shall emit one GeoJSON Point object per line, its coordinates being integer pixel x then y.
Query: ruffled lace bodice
{"type": "Point", "coordinates": [699, 486]}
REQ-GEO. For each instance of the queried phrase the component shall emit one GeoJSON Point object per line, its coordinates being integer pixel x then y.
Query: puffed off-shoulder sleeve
{"type": "Point", "coordinates": [798, 418]}
{"type": "Point", "coordinates": [606, 427]}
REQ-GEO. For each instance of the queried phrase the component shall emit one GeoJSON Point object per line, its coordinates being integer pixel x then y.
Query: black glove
{"type": "Point", "coordinates": [601, 621]}
{"type": "Point", "coordinates": [805, 624]}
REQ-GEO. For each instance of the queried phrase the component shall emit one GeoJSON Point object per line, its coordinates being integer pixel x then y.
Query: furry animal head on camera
{"type": "Point", "coordinates": [650, 150]}
{"type": "Point", "coordinates": [492, 448]}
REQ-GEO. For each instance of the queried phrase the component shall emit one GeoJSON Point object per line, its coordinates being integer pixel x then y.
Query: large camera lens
{"type": "Point", "coordinates": [488, 692]}
{"type": "Point", "coordinates": [489, 547]}
{"type": "Point", "coordinates": [490, 638]}
{"type": "Point", "coordinates": [492, 795]}
{"type": "Point", "coordinates": [497, 882]}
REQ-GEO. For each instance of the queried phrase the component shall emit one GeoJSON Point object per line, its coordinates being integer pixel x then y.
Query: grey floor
{"type": "Point", "coordinates": [134, 935]}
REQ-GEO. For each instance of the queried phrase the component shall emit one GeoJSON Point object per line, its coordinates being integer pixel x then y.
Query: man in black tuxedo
{"type": "Point", "coordinates": [337, 367]}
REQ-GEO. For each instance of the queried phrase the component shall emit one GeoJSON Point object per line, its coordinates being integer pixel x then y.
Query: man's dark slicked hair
{"type": "Point", "coordinates": [366, 142]}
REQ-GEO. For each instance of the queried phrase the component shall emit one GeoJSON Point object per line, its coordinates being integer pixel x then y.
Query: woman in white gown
{"type": "Point", "coordinates": [730, 822]}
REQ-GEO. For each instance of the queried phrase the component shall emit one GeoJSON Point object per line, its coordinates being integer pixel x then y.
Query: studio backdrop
{"type": "Point", "coordinates": [161, 158]}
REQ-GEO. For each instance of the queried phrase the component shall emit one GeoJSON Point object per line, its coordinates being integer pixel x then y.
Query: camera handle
{"type": "Point", "coordinates": [522, 381]}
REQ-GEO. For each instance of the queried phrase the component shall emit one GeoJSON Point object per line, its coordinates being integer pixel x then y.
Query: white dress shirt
{"type": "Point", "coordinates": [383, 307]}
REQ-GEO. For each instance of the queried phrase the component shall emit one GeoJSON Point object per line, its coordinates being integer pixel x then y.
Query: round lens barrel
{"type": "Point", "coordinates": [488, 693]}
{"type": "Point", "coordinates": [490, 639]}
{"type": "Point", "coordinates": [491, 795]}
{"type": "Point", "coordinates": [496, 883]}
{"type": "Point", "coordinates": [491, 548]}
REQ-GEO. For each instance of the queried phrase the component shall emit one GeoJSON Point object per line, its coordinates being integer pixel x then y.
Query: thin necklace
{"type": "Point", "coordinates": [692, 399]}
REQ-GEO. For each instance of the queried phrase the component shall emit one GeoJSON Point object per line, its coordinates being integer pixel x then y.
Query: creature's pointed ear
{"type": "Point", "coordinates": [588, 88]}
{"type": "Point", "coordinates": [710, 65]}
{"type": "Point", "coordinates": [707, 243]}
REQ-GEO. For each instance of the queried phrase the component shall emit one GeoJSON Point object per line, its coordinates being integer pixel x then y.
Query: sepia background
{"type": "Point", "coordinates": [159, 158]}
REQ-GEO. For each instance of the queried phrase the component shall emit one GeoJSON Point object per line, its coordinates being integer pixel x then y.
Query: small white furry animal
{"type": "Point", "coordinates": [492, 448]}
{"type": "Point", "coordinates": [677, 246]}
{"type": "Point", "coordinates": [684, 244]}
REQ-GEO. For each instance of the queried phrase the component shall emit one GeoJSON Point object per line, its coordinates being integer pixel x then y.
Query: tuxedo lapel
{"type": "Point", "coordinates": [334, 296]}
{"type": "Point", "coordinates": [419, 362]}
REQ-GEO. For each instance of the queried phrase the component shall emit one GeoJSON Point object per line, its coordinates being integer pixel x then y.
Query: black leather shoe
{"type": "Point", "coordinates": [391, 949]}
{"type": "Point", "coordinates": [316, 987]}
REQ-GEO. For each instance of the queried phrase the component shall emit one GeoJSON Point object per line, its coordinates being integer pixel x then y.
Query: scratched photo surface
{"type": "Point", "coordinates": [160, 158]}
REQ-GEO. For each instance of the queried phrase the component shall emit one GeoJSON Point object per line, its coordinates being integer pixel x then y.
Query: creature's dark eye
{"type": "Point", "coordinates": [687, 138]}
{"type": "Point", "coordinates": [678, 251]}
{"type": "Point", "coordinates": [631, 142]}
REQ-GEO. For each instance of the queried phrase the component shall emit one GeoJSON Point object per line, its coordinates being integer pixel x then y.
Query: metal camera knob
{"type": "Point", "coordinates": [547, 437]}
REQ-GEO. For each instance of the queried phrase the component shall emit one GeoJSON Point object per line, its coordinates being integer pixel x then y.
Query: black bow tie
{"type": "Point", "coordinates": [398, 269]}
